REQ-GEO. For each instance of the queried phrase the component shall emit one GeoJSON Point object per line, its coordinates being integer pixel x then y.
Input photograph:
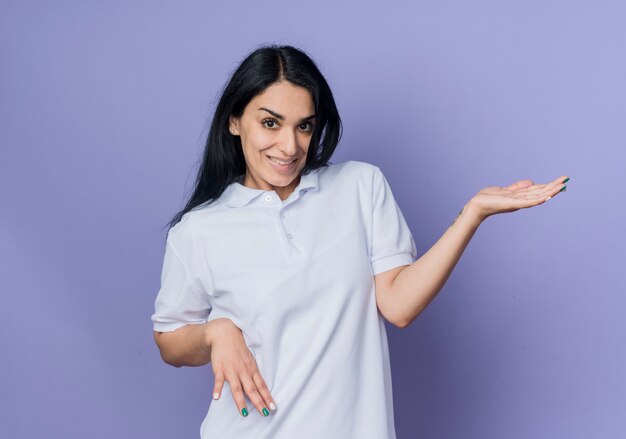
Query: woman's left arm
{"type": "Point", "coordinates": [404, 292]}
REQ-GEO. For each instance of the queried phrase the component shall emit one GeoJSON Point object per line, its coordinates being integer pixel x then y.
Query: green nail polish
{"type": "Point", "coordinates": [244, 411]}
{"type": "Point", "coordinates": [563, 188]}
{"type": "Point", "coordinates": [265, 411]}
{"type": "Point", "coordinates": [566, 180]}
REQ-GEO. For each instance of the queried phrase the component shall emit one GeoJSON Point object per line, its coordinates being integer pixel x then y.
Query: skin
{"type": "Point", "coordinates": [277, 123]}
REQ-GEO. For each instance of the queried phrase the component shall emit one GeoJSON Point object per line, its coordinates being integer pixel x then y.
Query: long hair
{"type": "Point", "coordinates": [223, 161]}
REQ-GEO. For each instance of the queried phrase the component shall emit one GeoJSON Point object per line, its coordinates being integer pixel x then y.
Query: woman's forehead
{"type": "Point", "coordinates": [285, 99]}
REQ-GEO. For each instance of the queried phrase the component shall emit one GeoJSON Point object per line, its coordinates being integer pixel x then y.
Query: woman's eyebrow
{"type": "Point", "coordinates": [281, 117]}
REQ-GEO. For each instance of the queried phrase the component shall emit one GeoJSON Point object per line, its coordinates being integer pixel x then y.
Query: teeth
{"type": "Point", "coordinates": [279, 162]}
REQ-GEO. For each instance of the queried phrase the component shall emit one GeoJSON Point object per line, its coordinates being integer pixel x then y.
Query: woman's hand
{"type": "Point", "coordinates": [232, 361]}
{"type": "Point", "coordinates": [519, 195]}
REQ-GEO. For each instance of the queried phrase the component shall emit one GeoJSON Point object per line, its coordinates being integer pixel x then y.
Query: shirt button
{"type": "Point", "coordinates": [268, 198]}
{"type": "Point", "coordinates": [290, 236]}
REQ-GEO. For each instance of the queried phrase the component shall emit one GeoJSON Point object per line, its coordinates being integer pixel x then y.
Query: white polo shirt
{"type": "Point", "coordinates": [297, 276]}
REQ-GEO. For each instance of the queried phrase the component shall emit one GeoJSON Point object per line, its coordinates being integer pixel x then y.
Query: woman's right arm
{"type": "Point", "coordinates": [189, 345]}
{"type": "Point", "coordinates": [221, 343]}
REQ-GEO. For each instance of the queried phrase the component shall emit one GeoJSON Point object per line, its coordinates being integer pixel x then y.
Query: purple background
{"type": "Point", "coordinates": [103, 111]}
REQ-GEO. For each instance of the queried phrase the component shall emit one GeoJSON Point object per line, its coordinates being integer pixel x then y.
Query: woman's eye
{"type": "Point", "coordinates": [269, 123]}
{"type": "Point", "coordinates": [272, 124]}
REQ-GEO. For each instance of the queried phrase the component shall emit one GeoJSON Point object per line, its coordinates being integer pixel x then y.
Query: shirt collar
{"type": "Point", "coordinates": [238, 195]}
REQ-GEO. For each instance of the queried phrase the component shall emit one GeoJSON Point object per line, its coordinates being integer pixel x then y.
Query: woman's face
{"type": "Point", "coordinates": [275, 130]}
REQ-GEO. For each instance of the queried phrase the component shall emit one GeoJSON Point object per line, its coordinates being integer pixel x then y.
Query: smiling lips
{"type": "Point", "coordinates": [281, 162]}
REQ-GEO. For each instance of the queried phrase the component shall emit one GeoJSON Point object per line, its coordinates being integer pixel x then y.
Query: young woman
{"type": "Point", "coordinates": [282, 267]}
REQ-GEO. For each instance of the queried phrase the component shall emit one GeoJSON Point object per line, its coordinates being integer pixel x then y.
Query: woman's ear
{"type": "Point", "coordinates": [233, 125]}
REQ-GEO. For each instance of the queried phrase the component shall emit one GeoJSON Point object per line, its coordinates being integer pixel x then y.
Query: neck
{"type": "Point", "coordinates": [282, 192]}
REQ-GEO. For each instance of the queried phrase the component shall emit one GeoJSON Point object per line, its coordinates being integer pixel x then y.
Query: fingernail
{"type": "Point", "coordinates": [216, 395]}
{"type": "Point", "coordinates": [563, 188]}
{"type": "Point", "coordinates": [272, 406]}
{"type": "Point", "coordinates": [548, 198]}
{"type": "Point", "coordinates": [566, 180]}
{"type": "Point", "coordinates": [244, 411]}
{"type": "Point", "coordinates": [265, 411]}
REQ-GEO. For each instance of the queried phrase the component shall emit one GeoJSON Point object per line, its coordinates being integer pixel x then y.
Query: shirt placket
{"type": "Point", "coordinates": [281, 212]}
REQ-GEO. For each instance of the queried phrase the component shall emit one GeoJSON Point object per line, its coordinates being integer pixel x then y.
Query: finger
{"type": "Point", "coordinates": [558, 180]}
{"type": "Point", "coordinates": [521, 184]}
{"type": "Point", "coordinates": [253, 394]}
{"type": "Point", "coordinates": [556, 184]}
{"type": "Point", "coordinates": [562, 179]}
{"type": "Point", "coordinates": [554, 190]}
{"type": "Point", "coordinates": [535, 188]}
{"type": "Point", "coordinates": [526, 202]}
{"type": "Point", "coordinates": [219, 384]}
{"type": "Point", "coordinates": [557, 190]}
{"type": "Point", "coordinates": [237, 391]}
{"type": "Point", "coordinates": [539, 190]}
{"type": "Point", "coordinates": [264, 391]}
{"type": "Point", "coordinates": [532, 188]}
{"type": "Point", "coordinates": [544, 190]}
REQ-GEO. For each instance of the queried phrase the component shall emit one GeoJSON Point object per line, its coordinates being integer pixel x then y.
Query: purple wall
{"type": "Point", "coordinates": [103, 110]}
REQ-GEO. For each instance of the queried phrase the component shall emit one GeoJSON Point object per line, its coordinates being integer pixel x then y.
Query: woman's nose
{"type": "Point", "coordinates": [288, 144]}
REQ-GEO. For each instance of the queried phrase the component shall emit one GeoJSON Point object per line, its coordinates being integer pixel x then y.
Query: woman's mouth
{"type": "Point", "coordinates": [281, 162]}
{"type": "Point", "coordinates": [282, 166]}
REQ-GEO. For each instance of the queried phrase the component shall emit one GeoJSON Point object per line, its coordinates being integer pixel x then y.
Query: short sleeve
{"type": "Point", "coordinates": [182, 299]}
{"type": "Point", "coordinates": [392, 243]}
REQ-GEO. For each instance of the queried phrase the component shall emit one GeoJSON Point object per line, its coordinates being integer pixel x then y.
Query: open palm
{"type": "Point", "coordinates": [519, 195]}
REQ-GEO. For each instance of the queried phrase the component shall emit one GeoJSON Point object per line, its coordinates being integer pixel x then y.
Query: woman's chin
{"type": "Point", "coordinates": [281, 181]}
